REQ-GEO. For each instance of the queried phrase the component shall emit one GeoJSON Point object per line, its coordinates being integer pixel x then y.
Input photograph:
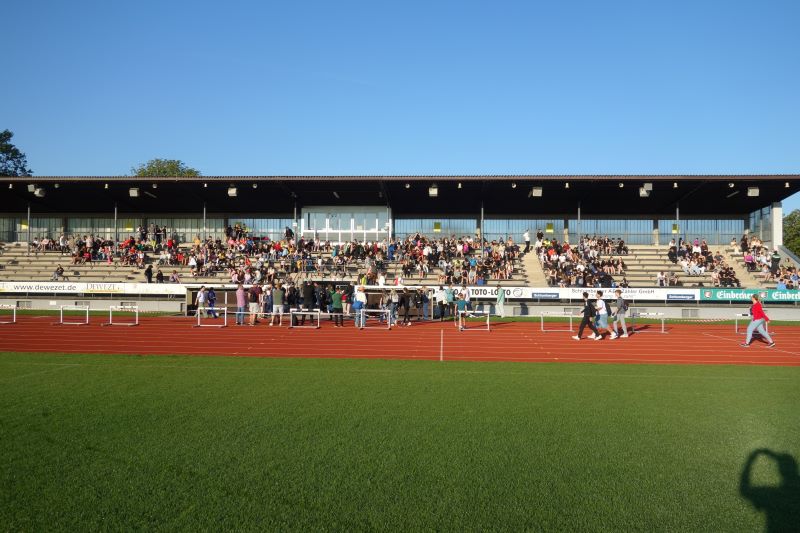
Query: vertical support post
{"type": "Point", "coordinates": [29, 229]}
{"type": "Point", "coordinates": [580, 233]}
{"type": "Point", "coordinates": [391, 224]}
{"type": "Point", "coordinates": [205, 228]}
{"type": "Point", "coordinates": [678, 218]}
{"type": "Point", "coordinates": [483, 236]}
{"type": "Point", "coordinates": [294, 222]}
{"type": "Point", "coordinates": [116, 230]}
{"type": "Point", "coordinates": [777, 224]}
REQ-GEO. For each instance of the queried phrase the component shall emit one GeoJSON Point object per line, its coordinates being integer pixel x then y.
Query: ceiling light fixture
{"type": "Point", "coordinates": [433, 191]}
{"type": "Point", "coordinates": [752, 192]}
{"type": "Point", "coordinates": [536, 192]}
{"type": "Point", "coordinates": [232, 191]}
{"type": "Point", "coordinates": [133, 192]}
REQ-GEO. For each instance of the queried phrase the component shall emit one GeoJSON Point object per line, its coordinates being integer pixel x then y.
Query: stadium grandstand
{"type": "Point", "coordinates": [543, 239]}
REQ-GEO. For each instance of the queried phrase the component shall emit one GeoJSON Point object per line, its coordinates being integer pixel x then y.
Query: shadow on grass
{"type": "Point", "coordinates": [781, 503]}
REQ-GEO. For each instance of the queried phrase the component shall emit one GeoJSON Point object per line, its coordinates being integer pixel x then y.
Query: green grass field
{"type": "Point", "coordinates": [211, 443]}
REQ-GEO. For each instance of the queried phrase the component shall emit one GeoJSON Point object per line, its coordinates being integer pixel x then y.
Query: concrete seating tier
{"type": "Point", "coordinates": [17, 265]}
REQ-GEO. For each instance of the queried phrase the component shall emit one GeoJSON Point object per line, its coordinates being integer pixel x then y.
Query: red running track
{"type": "Point", "coordinates": [513, 341]}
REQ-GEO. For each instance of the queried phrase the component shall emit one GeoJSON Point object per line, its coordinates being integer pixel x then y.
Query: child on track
{"type": "Point", "coordinates": [602, 316]}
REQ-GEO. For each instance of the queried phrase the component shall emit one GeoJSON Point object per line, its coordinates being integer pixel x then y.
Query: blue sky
{"type": "Point", "coordinates": [95, 87]}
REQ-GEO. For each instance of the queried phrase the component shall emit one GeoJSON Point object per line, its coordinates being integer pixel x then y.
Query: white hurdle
{"type": "Point", "coordinates": [62, 322]}
{"type": "Point", "coordinates": [13, 309]}
{"type": "Point", "coordinates": [544, 314]}
{"type": "Point", "coordinates": [379, 312]}
{"type": "Point", "coordinates": [219, 310]}
{"type": "Point", "coordinates": [294, 315]}
{"type": "Point", "coordinates": [123, 309]}
{"type": "Point", "coordinates": [461, 320]}
{"type": "Point", "coordinates": [647, 316]}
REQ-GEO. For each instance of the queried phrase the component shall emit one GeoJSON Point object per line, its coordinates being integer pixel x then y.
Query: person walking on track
{"type": "Point", "coordinates": [589, 312]}
{"type": "Point", "coordinates": [500, 303]}
{"type": "Point", "coordinates": [758, 322]}
{"type": "Point", "coordinates": [619, 316]}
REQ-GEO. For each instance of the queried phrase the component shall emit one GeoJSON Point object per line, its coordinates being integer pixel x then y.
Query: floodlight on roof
{"type": "Point", "coordinates": [643, 193]}
{"type": "Point", "coordinates": [232, 191]}
{"type": "Point", "coordinates": [408, 185]}
{"type": "Point", "coordinates": [155, 185]}
{"type": "Point", "coordinates": [730, 185]}
{"type": "Point", "coordinates": [513, 185]}
{"type": "Point", "coordinates": [621, 185]}
{"type": "Point", "coordinates": [648, 186]}
{"type": "Point", "coordinates": [786, 184]}
{"type": "Point", "coordinates": [752, 191]}
{"type": "Point", "coordinates": [255, 185]}
{"type": "Point", "coordinates": [674, 184]}
{"type": "Point", "coordinates": [566, 185]}
{"type": "Point", "coordinates": [536, 192]}
{"type": "Point", "coordinates": [31, 187]}
{"type": "Point", "coordinates": [459, 184]}
{"type": "Point", "coordinates": [433, 191]}
{"type": "Point", "coordinates": [133, 192]}
{"type": "Point", "coordinates": [39, 192]}
{"type": "Point", "coordinates": [105, 186]}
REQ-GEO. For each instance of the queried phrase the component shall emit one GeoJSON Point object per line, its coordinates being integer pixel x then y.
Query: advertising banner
{"type": "Point", "coordinates": [743, 295]}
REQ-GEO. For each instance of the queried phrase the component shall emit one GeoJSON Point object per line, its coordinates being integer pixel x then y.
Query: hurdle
{"type": "Point", "coordinates": [379, 313]}
{"type": "Point", "coordinates": [544, 314]}
{"type": "Point", "coordinates": [295, 313]}
{"type": "Point", "coordinates": [62, 322]}
{"type": "Point", "coordinates": [13, 309]}
{"type": "Point", "coordinates": [461, 320]}
{"type": "Point", "coordinates": [219, 310]}
{"type": "Point", "coordinates": [647, 316]}
{"type": "Point", "coordinates": [123, 309]}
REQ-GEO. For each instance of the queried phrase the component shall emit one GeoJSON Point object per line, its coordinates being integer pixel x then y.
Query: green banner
{"type": "Point", "coordinates": [743, 295]}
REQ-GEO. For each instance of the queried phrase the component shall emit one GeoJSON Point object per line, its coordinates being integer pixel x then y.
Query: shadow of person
{"type": "Point", "coordinates": [780, 504]}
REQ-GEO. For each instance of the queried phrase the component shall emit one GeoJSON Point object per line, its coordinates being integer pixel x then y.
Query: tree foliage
{"type": "Point", "coordinates": [164, 167]}
{"type": "Point", "coordinates": [791, 231]}
{"type": "Point", "coordinates": [12, 161]}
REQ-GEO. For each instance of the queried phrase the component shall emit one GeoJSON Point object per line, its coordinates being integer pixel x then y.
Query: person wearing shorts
{"type": "Point", "coordinates": [253, 302]}
{"type": "Point", "coordinates": [602, 316]}
{"type": "Point", "coordinates": [278, 296]}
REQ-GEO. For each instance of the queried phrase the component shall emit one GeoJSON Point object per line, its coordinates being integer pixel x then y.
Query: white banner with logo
{"type": "Point", "coordinates": [485, 292]}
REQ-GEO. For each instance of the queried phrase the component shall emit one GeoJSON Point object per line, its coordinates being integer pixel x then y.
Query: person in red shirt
{"type": "Point", "coordinates": [757, 323]}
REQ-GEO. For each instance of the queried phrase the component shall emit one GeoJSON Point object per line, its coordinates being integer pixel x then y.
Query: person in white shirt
{"type": "Point", "coordinates": [602, 316]}
{"type": "Point", "coordinates": [441, 302]}
{"type": "Point", "coordinates": [526, 237]}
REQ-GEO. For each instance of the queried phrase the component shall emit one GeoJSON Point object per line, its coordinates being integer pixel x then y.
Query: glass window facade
{"type": "Point", "coordinates": [760, 224]}
{"type": "Point", "coordinates": [189, 228]}
{"type": "Point", "coordinates": [51, 227]}
{"type": "Point", "coordinates": [339, 224]}
{"type": "Point", "coordinates": [502, 229]}
{"type": "Point", "coordinates": [444, 227]}
{"type": "Point", "coordinates": [274, 228]}
{"type": "Point", "coordinates": [632, 231]}
{"type": "Point", "coordinates": [716, 232]}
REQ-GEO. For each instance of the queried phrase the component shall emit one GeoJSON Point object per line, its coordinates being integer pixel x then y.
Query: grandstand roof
{"type": "Point", "coordinates": [512, 195]}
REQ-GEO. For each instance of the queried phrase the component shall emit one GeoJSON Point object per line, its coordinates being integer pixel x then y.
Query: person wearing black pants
{"type": "Point", "coordinates": [588, 319]}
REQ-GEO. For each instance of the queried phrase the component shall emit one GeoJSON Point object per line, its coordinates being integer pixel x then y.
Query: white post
{"type": "Point", "coordinates": [205, 230]}
{"type": "Point", "coordinates": [116, 230]}
{"type": "Point", "coordinates": [777, 224]}
{"type": "Point", "coordinates": [578, 236]}
{"type": "Point", "coordinates": [29, 229]}
{"type": "Point", "coordinates": [483, 236]}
